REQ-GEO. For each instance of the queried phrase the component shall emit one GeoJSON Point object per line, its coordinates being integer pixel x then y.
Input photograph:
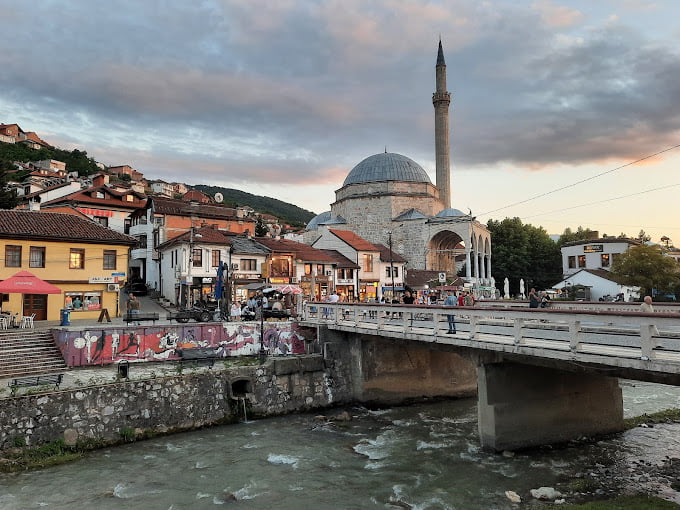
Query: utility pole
{"type": "Point", "coordinates": [389, 242]}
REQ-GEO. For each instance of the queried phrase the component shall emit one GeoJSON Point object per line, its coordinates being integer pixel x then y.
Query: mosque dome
{"type": "Point", "coordinates": [318, 220]}
{"type": "Point", "coordinates": [387, 166]}
{"type": "Point", "coordinates": [450, 213]}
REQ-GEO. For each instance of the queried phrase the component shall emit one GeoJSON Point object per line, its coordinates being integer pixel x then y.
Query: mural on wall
{"type": "Point", "coordinates": [110, 345]}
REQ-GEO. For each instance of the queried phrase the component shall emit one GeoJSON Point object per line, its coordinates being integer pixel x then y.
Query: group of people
{"type": "Point", "coordinates": [538, 299]}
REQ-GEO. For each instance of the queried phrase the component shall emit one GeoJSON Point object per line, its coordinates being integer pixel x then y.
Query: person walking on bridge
{"type": "Point", "coordinates": [646, 306]}
{"type": "Point", "coordinates": [133, 306]}
{"type": "Point", "coordinates": [451, 300]}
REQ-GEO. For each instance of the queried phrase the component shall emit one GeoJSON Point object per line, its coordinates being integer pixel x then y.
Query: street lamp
{"type": "Point", "coordinates": [263, 353]}
{"type": "Point", "coordinates": [389, 242]}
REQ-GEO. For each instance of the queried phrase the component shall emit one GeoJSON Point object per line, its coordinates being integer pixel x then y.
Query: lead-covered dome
{"type": "Point", "coordinates": [387, 166]}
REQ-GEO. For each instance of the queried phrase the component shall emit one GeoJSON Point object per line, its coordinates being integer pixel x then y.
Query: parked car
{"type": "Point", "coordinates": [138, 289]}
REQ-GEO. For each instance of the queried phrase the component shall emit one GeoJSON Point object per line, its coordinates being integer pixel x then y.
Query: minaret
{"type": "Point", "coordinates": [441, 100]}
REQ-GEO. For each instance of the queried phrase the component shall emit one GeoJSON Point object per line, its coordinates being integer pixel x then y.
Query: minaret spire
{"type": "Point", "coordinates": [441, 100]}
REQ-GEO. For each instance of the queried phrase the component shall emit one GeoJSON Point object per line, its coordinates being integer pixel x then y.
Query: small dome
{"type": "Point", "coordinates": [318, 220]}
{"type": "Point", "coordinates": [450, 213]}
{"type": "Point", "coordinates": [387, 166]}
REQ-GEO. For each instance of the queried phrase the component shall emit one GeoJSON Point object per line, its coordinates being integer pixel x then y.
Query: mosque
{"type": "Point", "coordinates": [389, 199]}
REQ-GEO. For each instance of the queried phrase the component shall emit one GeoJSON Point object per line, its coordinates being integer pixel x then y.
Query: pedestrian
{"type": "Point", "coordinates": [461, 299]}
{"type": "Point", "coordinates": [469, 299]}
{"type": "Point", "coordinates": [451, 300]}
{"type": "Point", "coordinates": [533, 298]}
{"type": "Point", "coordinates": [545, 300]}
{"type": "Point", "coordinates": [408, 298]}
{"type": "Point", "coordinates": [134, 306]}
{"type": "Point", "coordinates": [235, 311]}
{"type": "Point", "coordinates": [646, 305]}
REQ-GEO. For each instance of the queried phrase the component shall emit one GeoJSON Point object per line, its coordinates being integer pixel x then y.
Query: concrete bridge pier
{"type": "Point", "coordinates": [523, 405]}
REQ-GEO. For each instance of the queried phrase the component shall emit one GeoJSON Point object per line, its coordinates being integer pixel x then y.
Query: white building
{"type": "Point", "coordinates": [593, 254]}
{"type": "Point", "coordinates": [599, 283]}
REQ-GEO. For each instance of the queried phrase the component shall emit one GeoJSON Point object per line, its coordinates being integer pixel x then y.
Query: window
{"type": "Point", "coordinates": [248, 265]}
{"type": "Point", "coordinates": [102, 220]}
{"type": "Point", "coordinates": [394, 272]}
{"type": "Point", "coordinates": [81, 301]}
{"type": "Point", "coordinates": [197, 257]}
{"type": "Point", "coordinates": [308, 269]}
{"type": "Point", "coordinates": [367, 265]}
{"type": "Point", "coordinates": [12, 256]}
{"type": "Point", "coordinates": [345, 274]}
{"type": "Point", "coordinates": [76, 259]}
{"type": "Point", "coordinates": [159, 221]}
{"type": "Point", "coordinates": [37, 256]}
{"type": "Point", "coordinates": [142, 241]}
{"type": "Point", "coordinates": [319, 269]}
{"type": "Point", "coordinates": [109, 259]}
{"type": "Point", "coordinates": [571, 262]}
{"type": "Point", "coordinates": [581, 261]}
{"type": "Point", "coordinates": [216, 258]}
{"type": "Point", "coordinates": [604, 260]}
{"type": "Point", "coordinates": [281, 266]}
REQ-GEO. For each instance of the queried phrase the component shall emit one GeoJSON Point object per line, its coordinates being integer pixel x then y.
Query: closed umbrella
{"type": "Point", "coordinates": [521, 287]}
{"type": "Point", "coordinates": [506, 289]}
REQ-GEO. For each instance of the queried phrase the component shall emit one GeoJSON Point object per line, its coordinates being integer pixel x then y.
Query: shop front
{"type": "Point", "coordinates": [315, 288]}
{"type": "Point", "coordinates": [368, 290]}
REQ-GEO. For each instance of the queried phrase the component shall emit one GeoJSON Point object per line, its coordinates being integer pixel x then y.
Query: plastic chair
{"type": "Point", "coordinates": [27, 321]}
{"type": "Point", "coordinates": [4, 322]}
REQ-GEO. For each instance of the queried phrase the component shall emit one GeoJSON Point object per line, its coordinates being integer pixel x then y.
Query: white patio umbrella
{"type": "Point", "coordinates": [506, 289]}
{"type": "Point", "coordinates": [521, 287]}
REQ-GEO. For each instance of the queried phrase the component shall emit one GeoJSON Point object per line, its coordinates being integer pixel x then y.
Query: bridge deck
{"type": "Point", "coordinates": [644, 342]}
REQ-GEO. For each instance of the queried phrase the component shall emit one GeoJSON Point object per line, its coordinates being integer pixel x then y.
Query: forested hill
{"type": "Point", "coordinates": [76, 161]}
{"type": "Point", "coordinates": [289, 213]}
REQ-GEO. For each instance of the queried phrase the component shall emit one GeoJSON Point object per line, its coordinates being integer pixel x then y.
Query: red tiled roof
{"type": "Point", "coordinates": [343, 262]}
{"type": "Point", "coordinates": [203, 235]}
{"type": "Point", "coordinates": [299, 250]}
{"type": "Point", "coordinates": [163, 205]}
{"type": "Point", "coordinates": [385, 254]}
{"type": "Point", "coordinates": [113, 198]}
{"type": "Point", "coordinates": [16, 224]}
{"type": "Point", "coordinates": [355, 241]}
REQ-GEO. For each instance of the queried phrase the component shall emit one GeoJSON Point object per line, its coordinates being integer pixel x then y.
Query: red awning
{"type": "Point", "coordinates": [27, 283]}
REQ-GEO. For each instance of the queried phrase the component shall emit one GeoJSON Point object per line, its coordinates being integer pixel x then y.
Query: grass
{"type": "Point", "coordinates": [667, 416]}
{"type": "Point", "coordinates": [638, 502]}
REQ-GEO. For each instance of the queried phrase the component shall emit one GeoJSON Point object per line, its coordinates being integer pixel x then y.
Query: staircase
{"type": "Point", "coordinates": [28, 352]}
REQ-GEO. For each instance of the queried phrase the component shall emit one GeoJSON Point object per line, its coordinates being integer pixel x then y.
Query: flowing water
{"type": "Point", "coordinates": [424, 456]}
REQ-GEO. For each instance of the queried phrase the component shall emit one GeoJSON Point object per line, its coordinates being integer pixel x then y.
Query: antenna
{"type": "Point", "coordinates": [219, 197]}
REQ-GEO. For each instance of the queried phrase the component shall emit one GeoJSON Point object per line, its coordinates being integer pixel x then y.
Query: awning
{"type": "Point", "coordinates": [27, 283]}
{"type": "Point", "coordinates": [389, 287]}
{"type": "Point", "coordinates": [254, 286]}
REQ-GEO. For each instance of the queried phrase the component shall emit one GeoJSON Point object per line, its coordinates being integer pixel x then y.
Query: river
{"type": "Point", "coordinates": [424, 456]}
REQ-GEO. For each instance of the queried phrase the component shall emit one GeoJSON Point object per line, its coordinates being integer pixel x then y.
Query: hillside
{"type": "Point", "coordinates": [76, 161]}
{"type": "Point", "coordinates": [292, 214]}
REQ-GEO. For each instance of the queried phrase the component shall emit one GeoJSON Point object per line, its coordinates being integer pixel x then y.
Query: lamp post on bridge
{"type": "Point", "coordinates": [389, 242]}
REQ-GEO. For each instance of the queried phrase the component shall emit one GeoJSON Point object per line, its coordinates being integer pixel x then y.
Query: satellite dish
{"type": "Point", "coordinates": [219, 197]}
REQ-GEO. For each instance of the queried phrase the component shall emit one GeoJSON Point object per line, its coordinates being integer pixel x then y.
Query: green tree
{"type": "Point", "coordinates": [8, 199]}
{"type": "Point", "coordinates": [523, 251]}
{"type": "Point", "coordinates": [261, 229]}
{"type": "Point", "coordinates": [648, 268]}
{"type": "Point", "coordinates": [581, 234]}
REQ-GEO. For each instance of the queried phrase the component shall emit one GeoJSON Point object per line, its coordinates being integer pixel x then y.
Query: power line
{"type": "Point", "coordinates": [602, 201]}
{"type": "Point", "coordinates": [540, 195]}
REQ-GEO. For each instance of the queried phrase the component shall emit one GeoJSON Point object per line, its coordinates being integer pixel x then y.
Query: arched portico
{"type": "Point", "coordinates": [446, 252]}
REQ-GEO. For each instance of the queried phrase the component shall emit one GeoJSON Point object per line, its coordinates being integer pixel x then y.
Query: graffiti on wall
{"type": "Point", "coordinates": [99, 346]}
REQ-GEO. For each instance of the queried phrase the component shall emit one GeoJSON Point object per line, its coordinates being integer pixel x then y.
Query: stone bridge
{"type": "Point", "coordinates": [541, 375]}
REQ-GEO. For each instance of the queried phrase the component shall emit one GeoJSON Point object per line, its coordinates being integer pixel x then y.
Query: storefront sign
{"type": "Point", "coordinates": [345, 281]}
{"type": "Point", "coordinates": [95, 212]}
{"type": "Point", "coordinates": [207, 280]}
{"type": "Point", "coordinates": [102, 279]}
{"type": "Point", "coordinates": [593, 248]}
{"type": "Point", "coordinates": [279, 280]}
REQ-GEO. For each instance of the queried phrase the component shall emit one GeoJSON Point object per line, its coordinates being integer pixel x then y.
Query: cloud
{"type": "Point", "coordinates": [300, 92]}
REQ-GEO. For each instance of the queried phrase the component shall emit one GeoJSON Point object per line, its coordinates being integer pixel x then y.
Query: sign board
{"type": "Point", "coordinates": [442, 277]}
{"type": "Point", "coordinates": [102, 279]}
{"type": "Point", "coordinates": [207, 280]}
{"type": "Point", "coordinates": [593, 248]}
{"type": "Point", "coordinates": [117, 274]}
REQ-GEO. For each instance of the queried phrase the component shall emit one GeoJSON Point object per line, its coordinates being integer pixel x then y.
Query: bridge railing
{"type": "Point", "coordinates": [552, 333]}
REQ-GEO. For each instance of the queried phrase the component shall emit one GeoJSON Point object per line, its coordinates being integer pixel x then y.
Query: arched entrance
{"type": "Point", "coordinates": [446, 252]}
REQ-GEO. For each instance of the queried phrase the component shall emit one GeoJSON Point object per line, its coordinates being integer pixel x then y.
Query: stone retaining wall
{"type": "Point", "coordinates": [111, 411]}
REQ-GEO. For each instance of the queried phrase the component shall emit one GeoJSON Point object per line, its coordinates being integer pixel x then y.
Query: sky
{"type": "Point", "coordinates": [553, 102]}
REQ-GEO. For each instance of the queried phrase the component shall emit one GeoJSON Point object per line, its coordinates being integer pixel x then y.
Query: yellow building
{"type": "Point", "coordinates": [82, 258]}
